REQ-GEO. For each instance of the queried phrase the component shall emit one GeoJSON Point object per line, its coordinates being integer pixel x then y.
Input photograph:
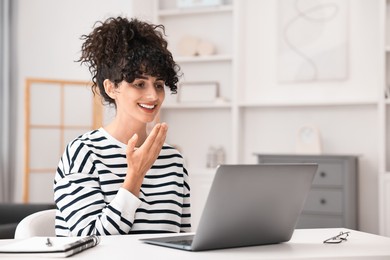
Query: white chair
{"type": "Point", "coordinates": [40, 223]}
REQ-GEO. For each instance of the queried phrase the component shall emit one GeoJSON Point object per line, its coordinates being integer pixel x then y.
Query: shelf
{"type": "Point", "coordinates": [195, 11]}
{"type": "Point", "coordinates": [210, 58]}
{"type": "Point", "coordinates": [308, 104]}
{"type": "Point", "coordinates": [202, 171]}
{"type": "Point", "coordinates": [197, 106]}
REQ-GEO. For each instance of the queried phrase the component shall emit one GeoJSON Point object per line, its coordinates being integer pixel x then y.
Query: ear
{"type": "Point", "coordinates": [109, 88]}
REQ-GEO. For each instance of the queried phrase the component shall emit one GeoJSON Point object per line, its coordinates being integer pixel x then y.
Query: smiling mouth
{"type": "Point", "coordinates": [150, 107]}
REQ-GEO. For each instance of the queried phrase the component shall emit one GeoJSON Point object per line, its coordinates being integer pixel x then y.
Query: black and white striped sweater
{"type": "Point", "coordinates": [90, 200]}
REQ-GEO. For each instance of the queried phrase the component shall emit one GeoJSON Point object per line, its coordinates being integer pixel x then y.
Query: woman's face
{"type": "Point", "coordinates": [140, 100]}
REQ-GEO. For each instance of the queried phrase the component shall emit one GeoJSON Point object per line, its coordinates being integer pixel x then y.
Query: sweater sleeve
{"type": "Point", "coordinates": [81, 203]}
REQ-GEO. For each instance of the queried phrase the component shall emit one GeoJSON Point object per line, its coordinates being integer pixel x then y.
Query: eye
{"type": "Point", "coordinates": [159, 85]}
{"type": "Point", "coordinates": [138, 84]}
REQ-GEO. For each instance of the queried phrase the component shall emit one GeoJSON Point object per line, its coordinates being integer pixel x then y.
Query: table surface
{"type": "Point", "coordinates": [305, 244]}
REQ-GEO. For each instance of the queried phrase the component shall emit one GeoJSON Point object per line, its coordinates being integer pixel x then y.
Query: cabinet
{"type": "Point", "coordinates": [332, 201]}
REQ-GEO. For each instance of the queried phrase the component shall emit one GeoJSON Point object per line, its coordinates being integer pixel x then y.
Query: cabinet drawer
{"type": "Point", "coordinates": [327, 201]}
{"type": "Point", "coordinates": [319, 221]}
{"type": "Point", "coordinates": [329, 174]}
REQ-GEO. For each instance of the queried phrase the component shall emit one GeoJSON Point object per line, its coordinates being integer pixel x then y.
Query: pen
{"type": "Point", "coordinates": [48, 242]}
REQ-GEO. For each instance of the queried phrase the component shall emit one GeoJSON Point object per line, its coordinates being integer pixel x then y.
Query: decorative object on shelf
{"type": "Point", "coordinates": [192, 46]}
{"type": "Point", "coordinates": [205, 48]}
{"type": "Point", "coordinates": [211, 158]}
{"type": "Point", "coordinates": [198, 92]}
{"type": "Point", "coordinates": [197, 3]}
{"type": "Point", "coordinates": [308, 140]}
{"type": "Point", "coordinates": [215, 157]}
{"type": "Point", "coordinates": [188, 45]}
{"type": "Point", "coordinates": [220, 155]}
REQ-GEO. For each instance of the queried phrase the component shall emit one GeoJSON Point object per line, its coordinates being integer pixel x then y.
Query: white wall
{"type": "Point", "coordinates": [46, 43]}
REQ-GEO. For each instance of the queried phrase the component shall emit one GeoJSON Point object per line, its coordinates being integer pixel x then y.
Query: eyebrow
{"type": "Point", "coordinates": [146, 77]}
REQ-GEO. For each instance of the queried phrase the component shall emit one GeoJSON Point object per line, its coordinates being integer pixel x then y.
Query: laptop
{"type": "Point", "coordinates": [248, 205]}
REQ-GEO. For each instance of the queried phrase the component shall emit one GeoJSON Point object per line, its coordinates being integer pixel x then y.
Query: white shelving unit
{"type": "Point", "coordinates": [207, 118]}
{"type": "Point", "coordinates": [203, 23]}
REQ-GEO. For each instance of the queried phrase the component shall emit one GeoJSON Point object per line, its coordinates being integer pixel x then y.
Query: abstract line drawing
{"type": "Point", "coordinates": [312, 42]}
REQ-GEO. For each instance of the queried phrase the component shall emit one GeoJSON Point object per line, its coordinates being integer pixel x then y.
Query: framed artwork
{"type": "Point", "coordinates": [192, 92]}
{"type": "Point", "coordinates": [312, 40]}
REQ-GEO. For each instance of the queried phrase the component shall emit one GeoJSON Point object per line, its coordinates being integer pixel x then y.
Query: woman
{"type": "Point", "coordinates": [118, 179]}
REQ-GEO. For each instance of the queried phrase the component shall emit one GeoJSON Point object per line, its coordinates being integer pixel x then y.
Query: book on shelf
{"type": "Point", "coordinates": [50, 246]}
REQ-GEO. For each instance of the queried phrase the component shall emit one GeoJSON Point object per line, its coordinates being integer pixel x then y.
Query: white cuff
{"type": "Point", "coordinates": [126, 202]}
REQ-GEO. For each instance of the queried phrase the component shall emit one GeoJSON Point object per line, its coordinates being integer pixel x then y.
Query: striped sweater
{"type": "Point", "coordinates": [90, 200]}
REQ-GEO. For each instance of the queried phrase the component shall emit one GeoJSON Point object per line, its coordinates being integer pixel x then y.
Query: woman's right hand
{"type": "Point", "coordinates": [140, 160]}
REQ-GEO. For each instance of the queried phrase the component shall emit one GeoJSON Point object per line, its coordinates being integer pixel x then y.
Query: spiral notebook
{"type": "Point", "coordinates": [50, 246]}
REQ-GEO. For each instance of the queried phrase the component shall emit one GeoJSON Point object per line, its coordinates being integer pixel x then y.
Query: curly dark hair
{"type": "Point", "coordinates": [119, 49]}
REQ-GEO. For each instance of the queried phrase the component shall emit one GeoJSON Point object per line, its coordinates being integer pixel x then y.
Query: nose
{"type": "Point", "coordinates": [151, 92]}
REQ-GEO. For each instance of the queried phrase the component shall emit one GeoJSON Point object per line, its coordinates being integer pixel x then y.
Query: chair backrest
{"type": "Point", "coordinates": [37, 224]}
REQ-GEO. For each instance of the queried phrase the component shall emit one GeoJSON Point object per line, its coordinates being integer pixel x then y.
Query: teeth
{"type": "Point", "coordinates": [147, 106]}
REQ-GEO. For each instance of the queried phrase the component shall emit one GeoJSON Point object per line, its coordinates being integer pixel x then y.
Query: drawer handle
{"type": "Point", "coordinates": [323, 201]}
{"type": "Point", "coordinates": [323, 174]}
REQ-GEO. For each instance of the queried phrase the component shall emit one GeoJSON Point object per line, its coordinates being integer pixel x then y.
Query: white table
{"type": "Point", "coordinates": [305, 244]}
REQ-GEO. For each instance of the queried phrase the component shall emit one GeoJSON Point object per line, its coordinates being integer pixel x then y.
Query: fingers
{"type": "Point", "coordinates": [160, 138]}
{"type": "Point", "coordinates": [162, 132]}
{"type": "Point", "coordinates": [141, 160]}
{"type": "Point", "coordinates": [131, 144]}
{"type": "Point", "coordinates": [157, 137]}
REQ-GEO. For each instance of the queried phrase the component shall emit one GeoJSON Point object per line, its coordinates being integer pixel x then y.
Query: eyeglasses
{"type": "Point", "coordinates": [337, 239]}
